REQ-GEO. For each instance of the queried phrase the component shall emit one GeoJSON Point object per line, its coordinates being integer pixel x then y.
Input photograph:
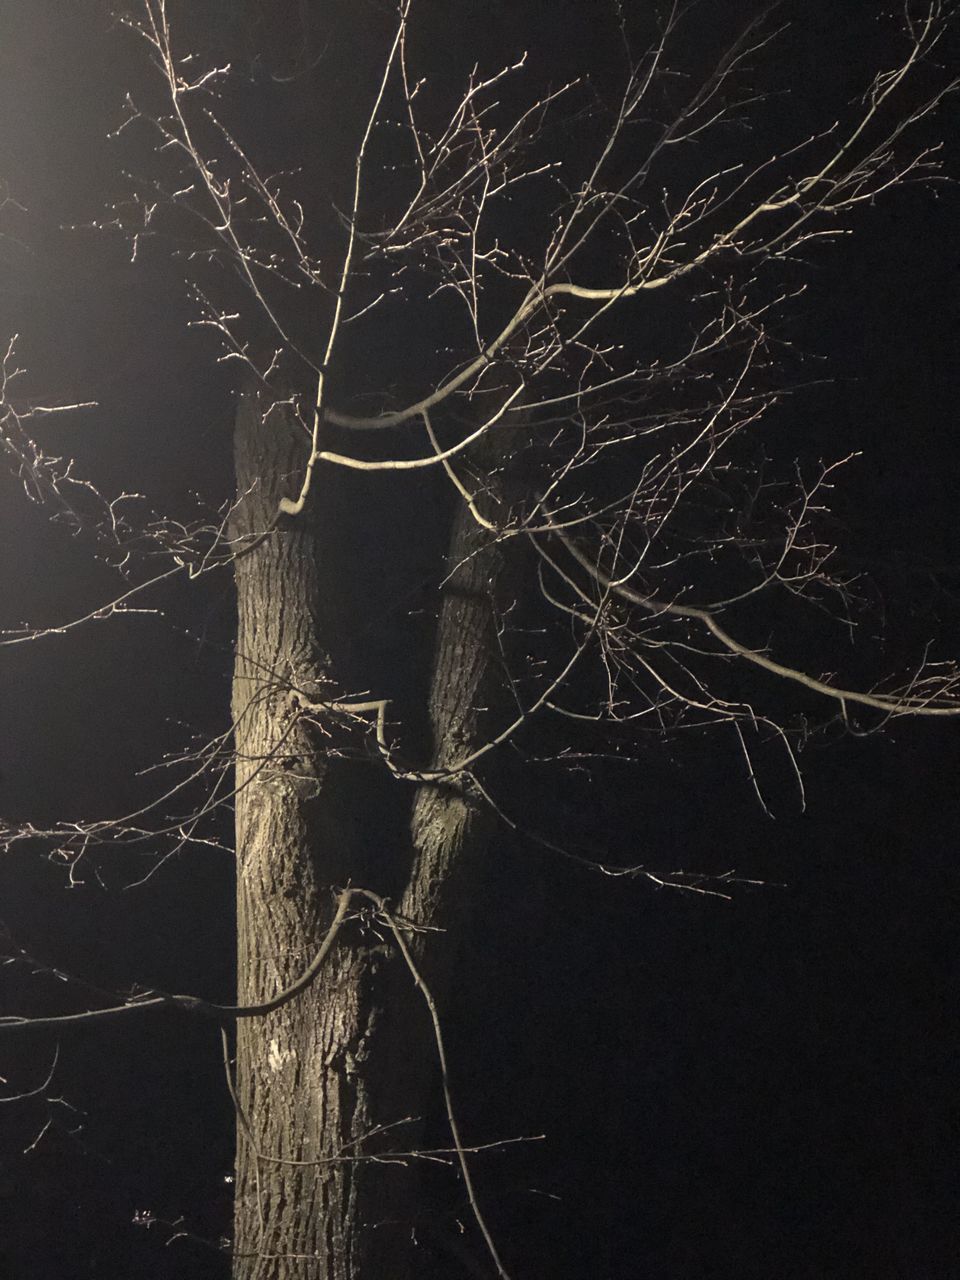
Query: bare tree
{"type": "Point", "coordinates": [565, 301]}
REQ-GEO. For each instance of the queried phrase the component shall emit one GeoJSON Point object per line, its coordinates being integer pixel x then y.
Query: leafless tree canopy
{"type": "Point", "coordinates": [566, 297]}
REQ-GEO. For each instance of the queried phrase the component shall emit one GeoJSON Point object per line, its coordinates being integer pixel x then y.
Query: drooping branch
{"type": "Point", "coordinates": [925, 695]}
{"type": "Point", "coordinates": [152, 1001]}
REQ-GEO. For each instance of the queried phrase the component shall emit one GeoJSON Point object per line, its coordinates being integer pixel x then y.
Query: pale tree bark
{"type": "Point", "coordinates": [297, 1082]}
{"type": "Point", "coordinates": [345, 1071]}
{"type": "Point", "coordinates": [450, 824]}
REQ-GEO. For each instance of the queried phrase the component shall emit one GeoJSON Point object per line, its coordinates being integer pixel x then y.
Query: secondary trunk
{"type": "Point", "coordinates": [342, 1071]}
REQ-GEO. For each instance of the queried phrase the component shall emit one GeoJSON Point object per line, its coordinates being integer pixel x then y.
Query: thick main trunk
{"type": "Point", "coordinates": [319, 1078]}
{"type": "Point", "coordinates": [301, 1096]}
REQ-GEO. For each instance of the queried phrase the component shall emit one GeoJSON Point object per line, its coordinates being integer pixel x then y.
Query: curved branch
{"type": "Point", "coordinates": [195, 1004]}
{"type": "Point", "coordinates": [890, 704]}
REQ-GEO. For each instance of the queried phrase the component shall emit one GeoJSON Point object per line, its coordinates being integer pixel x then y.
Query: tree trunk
{"type": "Point", "coordinates": [450, 824]}
{"type": "Point", "coordinates": [320, 1079]}
{"type": "Point", "coordinates": [301, 1094]}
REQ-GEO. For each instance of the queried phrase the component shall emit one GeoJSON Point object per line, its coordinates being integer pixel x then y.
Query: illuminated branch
{"type": "Point", "coordinates": [942, 698]}
{"type": "Point", "coordinates": [195, 1004]}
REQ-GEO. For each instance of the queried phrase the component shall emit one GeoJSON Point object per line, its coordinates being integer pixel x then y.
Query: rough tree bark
{"type": "Point", "coordinates": [319, 1077]}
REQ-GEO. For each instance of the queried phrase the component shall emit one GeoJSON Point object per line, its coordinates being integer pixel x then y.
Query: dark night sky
{"type": "Point", "coordinates": [754, 1088]}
